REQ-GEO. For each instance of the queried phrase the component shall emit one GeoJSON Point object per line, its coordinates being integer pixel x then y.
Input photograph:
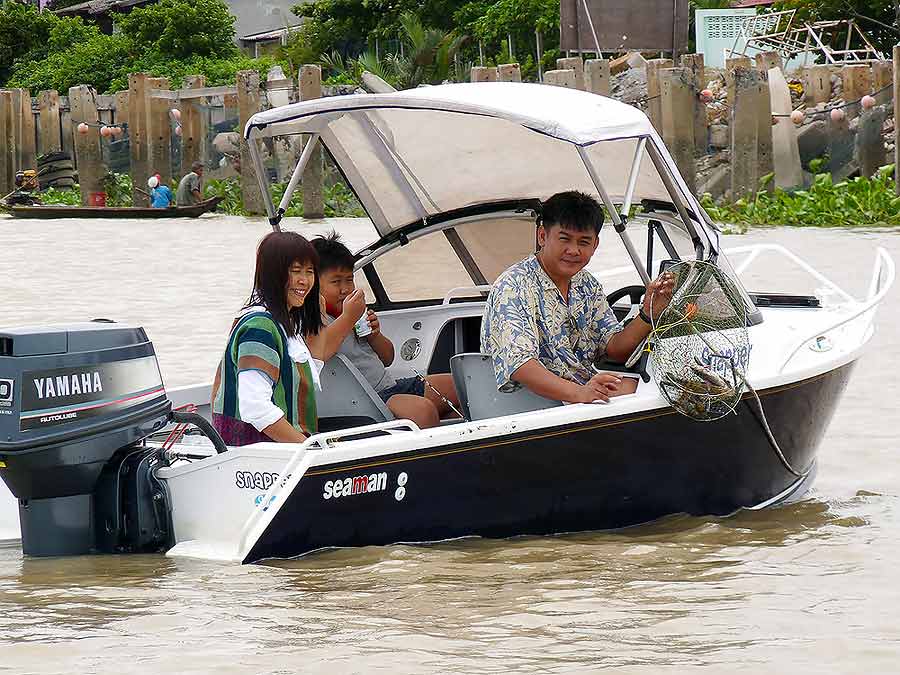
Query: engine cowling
{"type": "Point", "coordinates": [72, 399]}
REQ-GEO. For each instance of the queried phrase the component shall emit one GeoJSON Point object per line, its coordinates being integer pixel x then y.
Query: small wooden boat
{"type": "Point", "coordinates": [62, 211]}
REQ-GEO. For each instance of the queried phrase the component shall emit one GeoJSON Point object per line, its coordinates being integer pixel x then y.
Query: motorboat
{"type": "Point", "coordinates": [452, 178]}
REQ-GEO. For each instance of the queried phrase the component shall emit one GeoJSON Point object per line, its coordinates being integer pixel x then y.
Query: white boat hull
{"type": "Point", "coordinates": [9, 514]}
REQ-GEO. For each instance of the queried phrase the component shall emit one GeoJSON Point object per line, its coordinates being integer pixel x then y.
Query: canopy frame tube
{"type": "Point", "coordinates": [253, 142]}
{"type": "Point", "coordinates": [618, 223]}
{"type": "Point", "coordinates": [632, 179]}
{"type": "Point", "coordinates": [675, 195]}
{"type": "Point", "coordinates": [296, 177]}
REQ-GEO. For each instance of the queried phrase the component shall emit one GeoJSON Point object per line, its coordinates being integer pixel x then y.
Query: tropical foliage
{"type": "Point", "coordinates": [170, 38]}
{"type": "Point", "coordinates": [339, 200]}
{"type": "Point", "coordinates": [426, 57]}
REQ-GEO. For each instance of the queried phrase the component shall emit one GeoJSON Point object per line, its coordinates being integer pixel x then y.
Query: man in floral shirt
{"type": "Point", "coordinates": [547, 319]}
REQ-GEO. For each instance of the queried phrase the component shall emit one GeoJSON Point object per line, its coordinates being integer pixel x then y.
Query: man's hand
{"type": "Point", "coordinates": [598, 388]}
{"type": "Point", "coordinates": [354, 305]}
{"type": "Point", "coordinates": [658, 294]}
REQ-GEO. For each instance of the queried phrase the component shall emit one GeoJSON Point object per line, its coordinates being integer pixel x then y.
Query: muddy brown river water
{"type": "Point", "coordinates": [812, 587]}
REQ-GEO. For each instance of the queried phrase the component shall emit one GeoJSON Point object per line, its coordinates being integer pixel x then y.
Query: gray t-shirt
{"type": "Point", "coordinates": [186, 187]}
{"type": "Point", "coordinates": [361, 354]}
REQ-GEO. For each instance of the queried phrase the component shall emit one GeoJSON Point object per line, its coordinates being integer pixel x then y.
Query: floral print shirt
{"type": "Point", "coordinates": [526, 317]}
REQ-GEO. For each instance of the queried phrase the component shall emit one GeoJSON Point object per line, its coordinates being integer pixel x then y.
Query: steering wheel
{"type": "Point", "coordinates": [634, 293]}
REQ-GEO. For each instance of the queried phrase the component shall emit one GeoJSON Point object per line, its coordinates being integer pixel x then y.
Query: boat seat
{"type": "Point", "coordinates": [476, 385]}
{"type": "Point", "coordinates": [347, 399]}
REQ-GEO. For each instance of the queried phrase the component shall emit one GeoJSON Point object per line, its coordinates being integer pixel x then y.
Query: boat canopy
{"type": "Point", "coordinates": [412, 155]}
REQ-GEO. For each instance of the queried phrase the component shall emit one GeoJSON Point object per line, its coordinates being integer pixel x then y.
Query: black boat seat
{"type": "Point", "coordinates": [347, 395]}
{"type": "Point", "coordinates": [473, 375]}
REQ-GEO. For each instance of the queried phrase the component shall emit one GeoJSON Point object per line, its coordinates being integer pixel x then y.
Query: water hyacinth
{"type": "Point", "coordinates": [855, 202]}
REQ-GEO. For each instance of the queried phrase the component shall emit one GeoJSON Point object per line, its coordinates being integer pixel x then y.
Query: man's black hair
{"type": "Point", "coordinates": [333, 255]}
{"type": "Point", "coordinates": [574, 211]}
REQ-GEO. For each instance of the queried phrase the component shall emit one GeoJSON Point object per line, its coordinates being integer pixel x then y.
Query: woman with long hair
{"type": "Point", "coordinates": [265, 387]}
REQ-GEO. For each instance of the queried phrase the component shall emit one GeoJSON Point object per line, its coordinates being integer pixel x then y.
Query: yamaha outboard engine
{"type": "Point", "coordinates": [75, 402]}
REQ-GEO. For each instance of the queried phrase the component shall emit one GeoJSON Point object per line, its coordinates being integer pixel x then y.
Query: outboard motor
{"type": "Point", "coordinates": [75, 402]}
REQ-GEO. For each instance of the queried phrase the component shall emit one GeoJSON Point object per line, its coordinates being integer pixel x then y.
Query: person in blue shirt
{"type": "Point", "coordinates": [161, 196]}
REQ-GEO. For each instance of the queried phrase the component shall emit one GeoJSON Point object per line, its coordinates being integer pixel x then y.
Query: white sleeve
{"type": "Point", "coordinates": [255, 399]}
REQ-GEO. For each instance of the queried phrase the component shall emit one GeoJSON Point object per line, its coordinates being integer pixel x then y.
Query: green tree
{"type": "Point", "coordinates": [352, 26]}
{"type": "Point", "coordinates": [76, 53]}
{"type": "Point", "coordinates": [24, 32]}
{"type": "Point", "coordinates": [427, 57]}
{"type": "Point", "coordinates": [181, 28]}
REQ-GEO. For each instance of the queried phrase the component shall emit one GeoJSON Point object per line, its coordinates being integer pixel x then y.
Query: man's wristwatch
{"type": "Point", "coordinates": [644, 317]}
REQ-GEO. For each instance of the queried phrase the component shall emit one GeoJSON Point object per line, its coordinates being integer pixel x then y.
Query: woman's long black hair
{"type": "Point", "coordinates": [276, 253]}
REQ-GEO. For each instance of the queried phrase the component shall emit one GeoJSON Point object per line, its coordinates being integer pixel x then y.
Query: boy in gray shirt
{"type": "Point", "coordinates": [406, 398]}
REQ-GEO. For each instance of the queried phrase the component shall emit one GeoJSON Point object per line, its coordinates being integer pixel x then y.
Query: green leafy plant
{"type": "Point", "coordinates": [858, 202]}
{"type": "Point", "coordinates": [340, 202]}
{"type": "Point", "coordinates": [118, 188]}
{"type": "Point", "coordinates": [65, 196]}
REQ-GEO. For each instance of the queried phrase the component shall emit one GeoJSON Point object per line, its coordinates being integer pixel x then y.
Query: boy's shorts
{"type": "Point", "coordinates": [407, 385]}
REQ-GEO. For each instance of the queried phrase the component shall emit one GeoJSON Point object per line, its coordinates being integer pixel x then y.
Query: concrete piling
{"type": "Point", "coordinates": [677, 97]}
{"type": "Point", "coordinates": [193, 126]}
{"type": "Point", "coordinates": [751, 131]}
{"type": "Point", "coordinates": [160, 134]}
{"type": "Point", "coordinates": [597, 77]}
{"type": "Point", "coordinates": [483, 74]}
{"type": "Point", "coordinates": [91, 172]}
{"type": "Point", "coordinates": [560, 78]}
{"type": "Point", "coordinates": [509, 72]}
{"type": "Point", "coordinates": [138, 133]}
{"type": "Point", "coordinates": [576, 64]}
{"type": "Point", "coordinates": [50, 136]}
{"type": "Point", "coordinates": [654, 106]}
{"type": "Point", "coordinates": [248, 99]}
{"type": "Point", "coordinates": [313, 198]}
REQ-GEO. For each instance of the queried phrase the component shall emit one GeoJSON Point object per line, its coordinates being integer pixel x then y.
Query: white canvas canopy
{"type": "Point", "coordinates": [411, 155]}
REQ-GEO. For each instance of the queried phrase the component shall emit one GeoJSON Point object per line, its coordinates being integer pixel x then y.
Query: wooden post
{"type": "Point", "coordinates": [560, 78]}
{"type": "Point", "coordinates": [869, 141]}
{"type": "Point", "coordinates": [138, 134]}
{"type": "Point", "coordinates": [694, 63]}
{"type": "Point", "coordinates": [765, 61]}
{"type": "Point", "coordinates": [7, 143]}
{"type": "Point", "coordinates": [896, 117]}
{"type": "Point", "coordinates": [248, 105]}
{"type": "Point", "coordinates": [160, 133]}
{"type": "Point", "coordinates": [573, 63]}
{"type": "Point", "coordinates": [91, 172]}
{"type": "Point", "coordinates": [193, 126]}
{"type": "Point", "coordinates": [121, 116]}
{"type": "Point", "coordinates": [28, 148]}
{"type": "Point", "coordinates": [817, 85]}
{"type": "Point", "coordinates": [751, 131]}
{"type": "Point", "coordinates": [313, 200]}
{"type": "Point", "coordinates": [509, 72]}
{"type": "Point", "coordinates": [596, 76]}
{"type": "Point", "coordinates": [654, 106]}
{"type": "Point", "coordinates": [882, 78]}
{"type": "Point", "coordinates": [677, 97]}
{"type": "Point", "coordinates": [49, 129]}
{"type": "Point", "coordinates": [730, 66]}
{"type": "Point", "coordinates": [483, 74]}
{"type": "Point", "coordinates": [857, 83]}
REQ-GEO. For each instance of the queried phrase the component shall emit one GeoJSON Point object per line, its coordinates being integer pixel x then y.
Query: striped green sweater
{"type": "Point", "coordinates": [257, 342]}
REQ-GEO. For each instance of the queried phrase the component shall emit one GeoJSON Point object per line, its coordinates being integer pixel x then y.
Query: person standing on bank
{"type": "Point", "coordinates": [547, 320]}
{"type": "Point", "coordinates": [189, 192]}
{"type": "Point", "coordinates": [266, 383]}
